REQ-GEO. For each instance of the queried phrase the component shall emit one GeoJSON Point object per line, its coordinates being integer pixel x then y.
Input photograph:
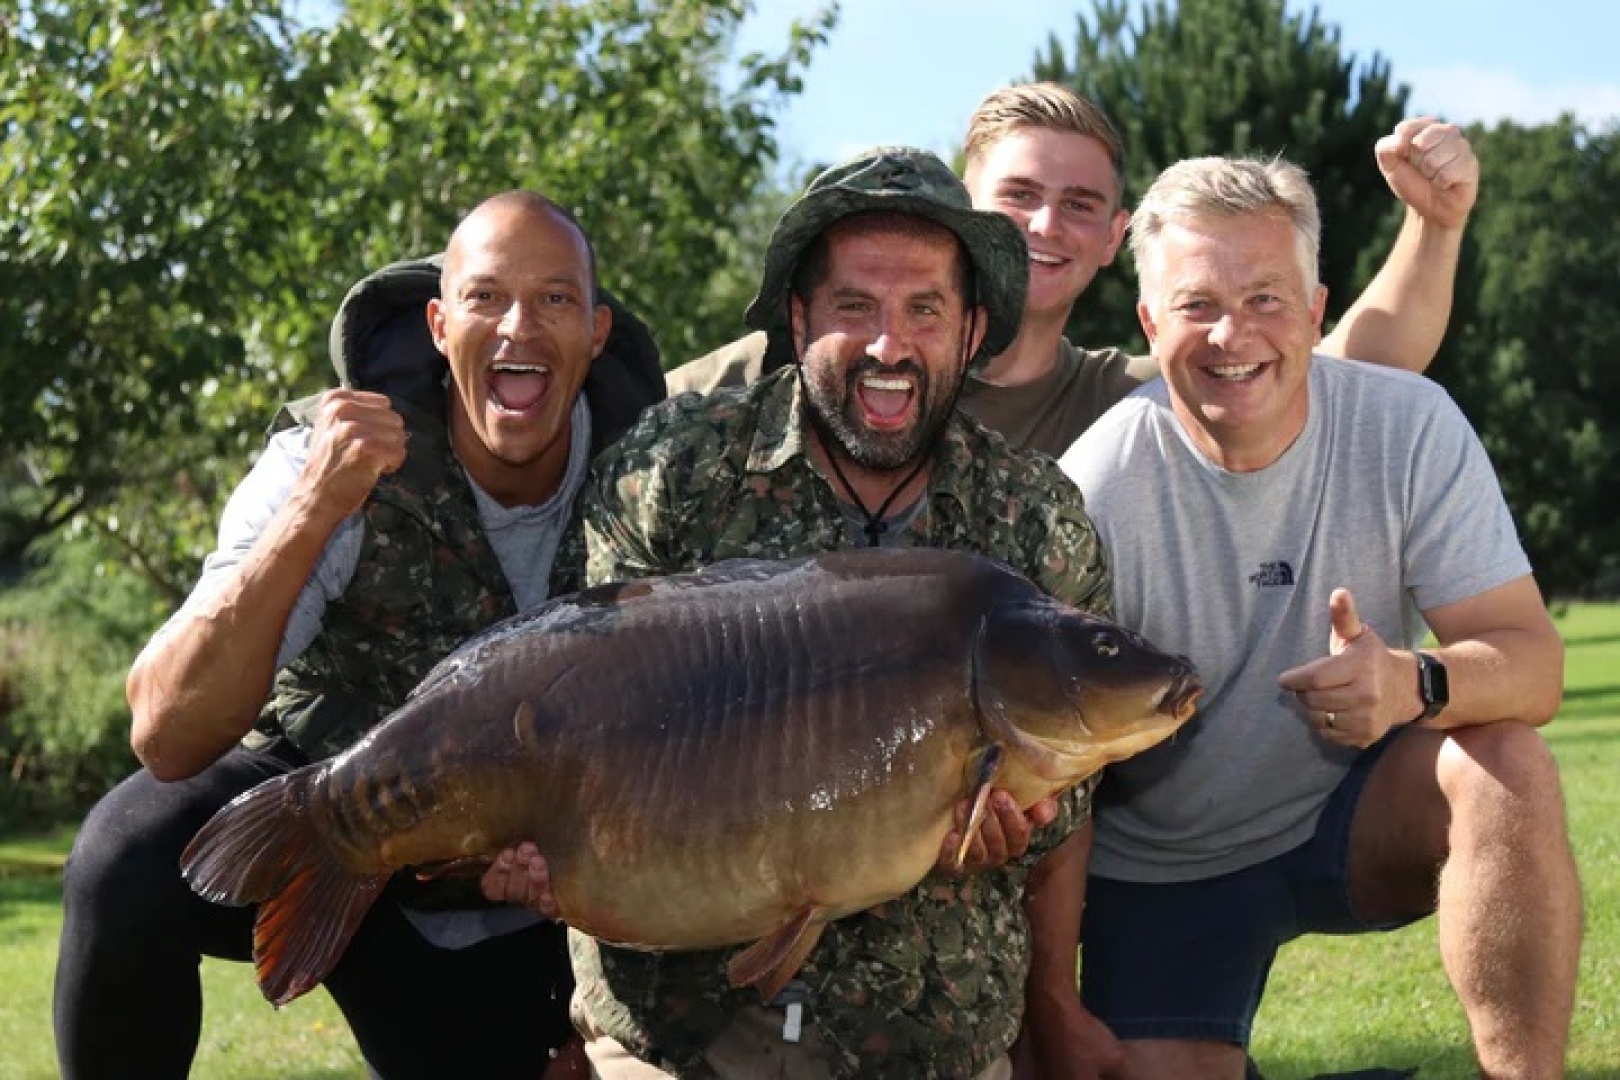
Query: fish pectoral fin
{"type": "Point", "coordinates": [468, 866]}
{"type": "Point", "coordinates": [989, 768]}
{"type": "Point", "coordinates": [523, 725]}
{"type": "Point", "coordinates": [769, 963]}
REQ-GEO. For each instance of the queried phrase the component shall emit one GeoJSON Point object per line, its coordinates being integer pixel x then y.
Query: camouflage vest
{"type": "Point", "coordinates": [427, 579]}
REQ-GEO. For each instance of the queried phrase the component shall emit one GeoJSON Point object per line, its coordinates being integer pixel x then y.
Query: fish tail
{"type": "Point", "coordinates": [265, 848]}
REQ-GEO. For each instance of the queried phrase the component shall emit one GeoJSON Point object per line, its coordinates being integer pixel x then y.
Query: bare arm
{"type": "Point", "coordinates": [1059, 1037]}
{"type": "Point", "coordinates": [1504, 661]}
{"type": "Point", "coordinates": [1400, 318]}
{"type": "Point", "coordinates": [198, 685]}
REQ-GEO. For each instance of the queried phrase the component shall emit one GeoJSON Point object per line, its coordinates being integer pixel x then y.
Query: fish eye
{"type": "Point", "coordinates": [1105, 644]}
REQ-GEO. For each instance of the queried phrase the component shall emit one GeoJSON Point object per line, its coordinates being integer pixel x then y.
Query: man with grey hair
{"type": "Point", "coordinates": [1276, 501]}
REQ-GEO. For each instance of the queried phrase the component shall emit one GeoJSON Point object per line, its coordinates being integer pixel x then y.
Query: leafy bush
{"type": "Point", "coordinates": [68, 631]}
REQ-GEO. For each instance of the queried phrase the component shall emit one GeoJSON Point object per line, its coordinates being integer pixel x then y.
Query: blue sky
{"type": "Point", "coordinates": [911, 71]}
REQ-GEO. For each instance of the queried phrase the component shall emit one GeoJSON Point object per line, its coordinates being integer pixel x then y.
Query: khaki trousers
{"type": "Point", "coordinates": [751, 1048]}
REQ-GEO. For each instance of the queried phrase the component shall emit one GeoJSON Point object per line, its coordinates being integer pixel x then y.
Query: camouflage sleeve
{"type": "Point", "coordinates": [1061, 543]}
{"type": "Point", "coordinates": [627, 509]}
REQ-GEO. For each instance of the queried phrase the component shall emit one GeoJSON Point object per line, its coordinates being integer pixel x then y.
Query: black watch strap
{"type": "Point", "coordinates": [1433, 687]}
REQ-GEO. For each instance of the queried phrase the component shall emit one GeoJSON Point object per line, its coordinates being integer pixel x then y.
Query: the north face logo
{"type": "Point", "coordinates": [1273, 575]}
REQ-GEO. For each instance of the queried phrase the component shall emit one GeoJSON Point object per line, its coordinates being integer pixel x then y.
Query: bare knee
{"type": "Point", "coordinates": [1167, 1059]}
{"type": "Point", "coordinates": [1493, 772]}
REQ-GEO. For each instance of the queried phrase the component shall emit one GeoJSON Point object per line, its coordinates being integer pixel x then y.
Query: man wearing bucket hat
{"type": "Point", "coordinates": [890, 286]}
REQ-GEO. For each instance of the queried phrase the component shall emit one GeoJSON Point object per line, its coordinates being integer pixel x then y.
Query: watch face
{"type": "Point", "coordinates": [1432, 684]}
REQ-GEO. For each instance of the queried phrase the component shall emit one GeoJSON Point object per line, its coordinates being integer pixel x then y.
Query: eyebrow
{"type": "Point", "coordinates": [550, 280]}
{"type": "Point", "coordinates": [1072, 189]}
{"type": "Point", "coordinates": [845, 292]}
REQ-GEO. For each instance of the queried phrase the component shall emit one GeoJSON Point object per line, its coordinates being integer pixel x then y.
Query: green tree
{"type": "Point", "coordinates": [1234, 77]}
{"type": "Point", "coordinates": [186, 189]}
{"type": "Point", "coordinates": [142, 148]}
{"type": "Point", "coordinates": [1530, 353]}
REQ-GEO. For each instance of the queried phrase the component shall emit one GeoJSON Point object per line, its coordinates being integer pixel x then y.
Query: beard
{"type": "Point", "coordinates": [830, 389]}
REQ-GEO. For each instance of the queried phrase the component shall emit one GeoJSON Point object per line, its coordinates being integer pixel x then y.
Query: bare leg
{"type": "Point", "coordinates": [1480, 811]}
{"type": "Point", "coordinates": [1163, 1059]}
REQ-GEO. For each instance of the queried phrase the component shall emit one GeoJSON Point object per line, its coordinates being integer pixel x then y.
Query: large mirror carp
{"type": "Point", "coordinates": [737, 755]}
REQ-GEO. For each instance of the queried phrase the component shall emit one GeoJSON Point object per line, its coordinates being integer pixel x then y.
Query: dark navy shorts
{"type": "Point", "coordinates": [1189, 960]}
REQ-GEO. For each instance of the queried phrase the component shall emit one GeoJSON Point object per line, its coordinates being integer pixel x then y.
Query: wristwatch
{"type": "Point", "coordinates": [1433, 688]}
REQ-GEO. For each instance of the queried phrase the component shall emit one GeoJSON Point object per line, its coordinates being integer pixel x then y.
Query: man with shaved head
{"type": "Point", "coordinates": [387, 521]}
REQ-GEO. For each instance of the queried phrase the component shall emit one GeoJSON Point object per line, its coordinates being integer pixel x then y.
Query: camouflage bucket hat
{"type": "Point", "coordinates": [901, 180]}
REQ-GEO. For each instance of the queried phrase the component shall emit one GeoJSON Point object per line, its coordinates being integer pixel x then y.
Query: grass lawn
{"type": "Point", "coordinates": [1333, 1004]}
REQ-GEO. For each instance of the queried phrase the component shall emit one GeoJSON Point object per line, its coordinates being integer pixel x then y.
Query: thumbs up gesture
{"type": "Point", "coordinates": [1354, 694]}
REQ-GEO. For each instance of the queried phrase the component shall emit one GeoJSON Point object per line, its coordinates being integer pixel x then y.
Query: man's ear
{"type": "Point", "coordinates": [1116, 236]}
{"type": "Point", "coordinates": [603, 326]}
{"type": "Point", "coordinates": [981, 326]}
{"type": "Point", "coordinates": [1318, 309]}
{"type": "Point", "coordinates": [436, 324]}
{"type": "Point", "coordinates": [1144, 315]}
{"type": "Point", "coordinates": [796, 323]}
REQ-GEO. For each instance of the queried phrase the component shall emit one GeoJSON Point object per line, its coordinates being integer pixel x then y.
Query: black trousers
{"type": "Point", "coordinates": [128, 999]}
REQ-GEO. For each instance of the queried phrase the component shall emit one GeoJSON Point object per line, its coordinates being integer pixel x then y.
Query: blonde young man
{"type": "Point", "coordinates": [1296, 524]}
{"type": "Point", "coordinates": [1054, 163]}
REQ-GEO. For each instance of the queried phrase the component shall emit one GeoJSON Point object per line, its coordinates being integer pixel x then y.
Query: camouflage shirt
{"type": "Point", "coordinates": [928, 984]}
{"type": "Point", "coordinates": [426, 580]}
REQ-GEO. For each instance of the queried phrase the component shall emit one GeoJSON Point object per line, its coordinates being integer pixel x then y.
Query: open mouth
{"type": "Point", "coordinates": [1234, 372]}
{"type": "Point", "coordinates": [1042, 259]}
{"type": "Point", "coordinates": [518, 388]}
{"type": "Point", "coordinates": [886, 400]}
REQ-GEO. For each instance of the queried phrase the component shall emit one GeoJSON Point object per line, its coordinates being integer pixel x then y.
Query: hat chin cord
{"type": "Point", "coordinates": [875, 525]}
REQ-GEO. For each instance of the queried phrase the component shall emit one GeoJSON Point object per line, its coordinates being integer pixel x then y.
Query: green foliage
{"type": "Point", "coordinates": [66, 639]}
{"type": "Point", "coordinates": [1530, 356]}
{"type": "Point", "coordinates": [1233, 77]}
{"type": "Point", "coordinates": [187, 189]}
{"type": "Point", "coordinates": [142, 151]}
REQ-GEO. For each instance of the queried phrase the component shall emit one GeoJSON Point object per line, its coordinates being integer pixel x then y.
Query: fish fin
{"type": "Point", "coordinates": [263, 848]}
{"type": "Point", "coordinates": [469, 866]}
{"type": "Point", "coordinates": [989, 768]}
{"type": "Point", "coordinates": [523, 725]}
{"type": "Point", "coordinates": [769, 963]}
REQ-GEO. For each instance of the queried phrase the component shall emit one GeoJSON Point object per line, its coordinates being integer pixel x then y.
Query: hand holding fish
{"type": "Point", "coordinates": [356, 439]}
{"type": "Point", "coordinates": [1361, 689]}
{"type": "Point", "coordinates": [1002, 836]}
{"type": "Point", "coordinates": [519, 876]}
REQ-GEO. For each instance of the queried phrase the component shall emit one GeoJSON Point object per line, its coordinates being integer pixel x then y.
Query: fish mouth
{"type": "Point", "coordinates": [1181, 696]}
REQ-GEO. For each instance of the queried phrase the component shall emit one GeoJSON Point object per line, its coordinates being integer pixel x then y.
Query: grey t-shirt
{"type": "Point", "coordinates": [1387, 492]}
{"type": "Point", "coordinates": [524, 539]}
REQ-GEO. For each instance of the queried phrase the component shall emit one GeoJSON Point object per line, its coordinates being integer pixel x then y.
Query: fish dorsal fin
{"type": "Point", "coordinates": [989, 767]}
{"type": "Point", "coordinates": [772, 961]}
